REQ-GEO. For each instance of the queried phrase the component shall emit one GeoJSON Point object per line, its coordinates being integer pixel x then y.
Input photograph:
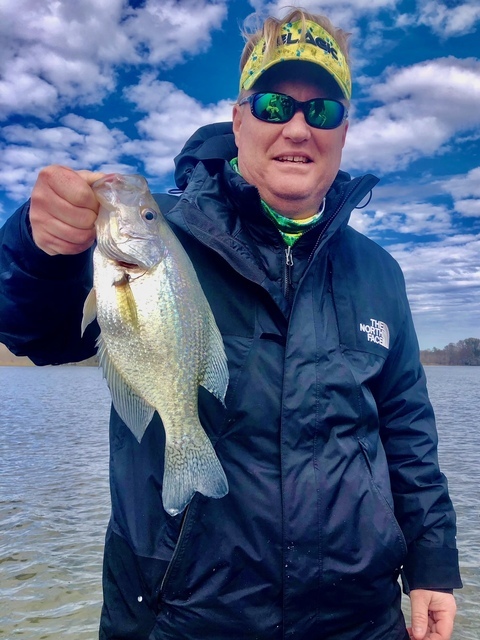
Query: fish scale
{"type": "Point", "coordinates": [159, 340]}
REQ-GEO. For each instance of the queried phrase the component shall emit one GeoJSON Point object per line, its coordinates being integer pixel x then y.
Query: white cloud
{"type": "Point", "coordinates": [63, 53]}
{"type": "Point", "coordinates": [56, 51]}
{"type": "Point", "coordinates": [443, 285]}
{"type": "Point", "coordinates": [447, 20]}
{"type": "Point", "coordinates": [465, 191]}
{"type": "Point", "coordinates": [469, 208]}
{"type": "Point", "coordinates": [22, 91]}
{"type": "Point", "coordinates": [79, 143]}
{"type": "Point", "coordinates": [164, 31]}
{"type": "Point", "coordinates": [447, 88]}
{"type": "Point", "coordinates": [464, 186]}
{"type": "Point", "coordinates": [341, 12]}
{"type": "Point", "coordinates": [418, 218]}
{"type": "Point", "coordinates": [424, 107]}
{"type": "Point", "coordinates": [172, 117]}
{"type": "Point", "coordinates": [386, 143]}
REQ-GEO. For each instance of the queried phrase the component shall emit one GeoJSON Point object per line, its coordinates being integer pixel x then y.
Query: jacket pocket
{"type": "Point", "coordinates": [171, 580]}
{"type": "Point", "coordinates": [362, 545]}
{"type": "Point", "coordinates": [130, 586]}
{"type": "Point", "coordinates": [385, 498]}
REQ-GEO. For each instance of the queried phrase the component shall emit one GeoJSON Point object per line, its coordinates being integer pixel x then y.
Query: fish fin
{"type": "Point", "coordinates": [126, 302]}
{"type": "Point", "coordinates": [215, 378]}
{"type": "Point", "coordinates": [89, 310]}
{"type": "Point", "coordinates": [191, 465]}
{"type": "Point", "coordinates": [135, 412]}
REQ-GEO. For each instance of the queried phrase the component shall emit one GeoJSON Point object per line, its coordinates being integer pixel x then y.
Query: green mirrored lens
{"type": "Point", "coordinates": [324, 114]}
{"type": "Point", "coordinates": [273, 107]}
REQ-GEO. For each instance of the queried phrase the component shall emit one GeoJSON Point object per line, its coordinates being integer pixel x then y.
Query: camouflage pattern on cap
{"type": "Point", "coordinates": [317, 46]}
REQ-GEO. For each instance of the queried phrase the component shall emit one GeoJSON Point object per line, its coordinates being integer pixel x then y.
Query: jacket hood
{"type": "Point", "coordinates": [211, 142]}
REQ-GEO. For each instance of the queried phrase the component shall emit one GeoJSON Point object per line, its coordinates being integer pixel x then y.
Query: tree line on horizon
{"type": "Point", "coordinates": [463, 353]}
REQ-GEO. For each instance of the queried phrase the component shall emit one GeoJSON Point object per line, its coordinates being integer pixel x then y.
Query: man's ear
{"type": "Point", "coordinates": [345, 134]}
{"type": "Point", "coordinates": [237, 121]}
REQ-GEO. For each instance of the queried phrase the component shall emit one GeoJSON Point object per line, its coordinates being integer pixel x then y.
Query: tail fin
{"type": "Point", "coordinates": [191, 464]}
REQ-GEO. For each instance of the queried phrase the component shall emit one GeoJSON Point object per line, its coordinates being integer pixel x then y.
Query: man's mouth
{"type": "Point", "coordinates": [295, 159]}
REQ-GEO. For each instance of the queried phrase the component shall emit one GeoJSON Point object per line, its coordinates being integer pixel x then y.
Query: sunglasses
{"type": "Point", "coordinates": [279, 108]}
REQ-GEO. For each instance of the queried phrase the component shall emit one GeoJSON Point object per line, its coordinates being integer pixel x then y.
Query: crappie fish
{"type": "Point", "coordinates": [159, 340]}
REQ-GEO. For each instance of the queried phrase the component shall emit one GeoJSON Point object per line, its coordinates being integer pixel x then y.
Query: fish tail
{"type": "Point", "coordinates": [191, 465]}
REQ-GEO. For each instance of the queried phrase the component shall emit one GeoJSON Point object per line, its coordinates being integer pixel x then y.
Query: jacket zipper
{"type": "Point", "coordinates": [175, 553]}
{"type": "Point", "coordinates": [287, 283]}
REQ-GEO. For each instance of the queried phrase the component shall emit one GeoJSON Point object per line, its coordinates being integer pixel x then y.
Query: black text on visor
{"type": "Point", "coordinates": [321, 113]}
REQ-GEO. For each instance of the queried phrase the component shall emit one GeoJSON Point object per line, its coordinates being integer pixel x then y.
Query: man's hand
{"type": "Point", "coordinates": [63, 210]}
{"type": "Point", "coordinates": [433, 614]}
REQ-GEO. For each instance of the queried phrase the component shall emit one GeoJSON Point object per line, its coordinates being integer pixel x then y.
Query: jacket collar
{"type": "Point", "coordinates": [222, 211]}
{"type": "Point", "coordinates": [227, 205]}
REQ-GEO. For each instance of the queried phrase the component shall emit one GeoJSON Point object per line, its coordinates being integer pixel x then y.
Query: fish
{"type": "Point", "coordinates": [158, 340]}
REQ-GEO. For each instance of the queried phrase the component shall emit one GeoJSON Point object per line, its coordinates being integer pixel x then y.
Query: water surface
{"type": "Point", "coordinates": [54, 500]}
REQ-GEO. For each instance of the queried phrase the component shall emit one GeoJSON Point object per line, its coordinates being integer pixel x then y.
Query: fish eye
{"type": "Point", "coordinates": [150, 214]}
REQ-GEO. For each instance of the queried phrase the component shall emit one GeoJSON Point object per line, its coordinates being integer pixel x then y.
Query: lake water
{"type": "Point", "coordinates": [54, 500]}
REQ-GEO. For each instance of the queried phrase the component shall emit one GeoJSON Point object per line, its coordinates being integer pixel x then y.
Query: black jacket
{"type": "Point", "coordinates": [328, 437]}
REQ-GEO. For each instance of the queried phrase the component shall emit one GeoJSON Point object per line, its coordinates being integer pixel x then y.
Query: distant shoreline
{"type": "Point", "coordinates": [8, 359]}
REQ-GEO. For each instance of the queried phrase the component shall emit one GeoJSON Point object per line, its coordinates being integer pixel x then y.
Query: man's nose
{"type": "Point", "coordinates": [297, 128]}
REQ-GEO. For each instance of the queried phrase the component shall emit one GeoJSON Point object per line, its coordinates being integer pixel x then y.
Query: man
{"type": "Point", "coordinates": [328, 439]}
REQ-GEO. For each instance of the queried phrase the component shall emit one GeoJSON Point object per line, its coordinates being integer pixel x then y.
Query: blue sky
{"type": "Point", "coordinates": [120, 86]}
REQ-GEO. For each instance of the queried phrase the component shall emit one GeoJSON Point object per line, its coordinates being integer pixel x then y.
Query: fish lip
{"type": "Point", "coordinates": [142, 265]}
{"type": "Point", "coordinates": [118, 178]}
{"type": "Point", "coordinates": [109, 177]}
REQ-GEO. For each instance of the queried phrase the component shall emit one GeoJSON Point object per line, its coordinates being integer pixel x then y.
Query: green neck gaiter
{"type": "Point", "coordinates": [291, 230]}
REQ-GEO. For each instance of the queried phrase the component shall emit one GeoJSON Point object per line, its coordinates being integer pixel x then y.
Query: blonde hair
{"type": "Point", "coordinates": [272, 28]}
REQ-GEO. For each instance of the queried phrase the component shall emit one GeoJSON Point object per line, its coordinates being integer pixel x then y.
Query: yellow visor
{"type": "Point", "coordinates": [317, 46]}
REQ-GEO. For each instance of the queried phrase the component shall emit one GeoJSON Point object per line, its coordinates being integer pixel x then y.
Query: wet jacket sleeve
{"type": "Point", "coordinates": [41, 298]}
{"type": "Point", "coordinates": [422, 503]}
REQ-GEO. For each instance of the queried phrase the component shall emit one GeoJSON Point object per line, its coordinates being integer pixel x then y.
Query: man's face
{"type": "Point", "coordinates": [292, 164]}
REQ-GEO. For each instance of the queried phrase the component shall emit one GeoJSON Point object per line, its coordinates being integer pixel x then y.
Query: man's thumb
{"type": "Point", "coordinates": [419, 618]}
{"type": "Point", "coordinates": [90, 176]}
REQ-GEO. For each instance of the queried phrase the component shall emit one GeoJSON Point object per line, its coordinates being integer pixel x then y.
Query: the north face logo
{"type": "Point", "coordinates": [377, 332]}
